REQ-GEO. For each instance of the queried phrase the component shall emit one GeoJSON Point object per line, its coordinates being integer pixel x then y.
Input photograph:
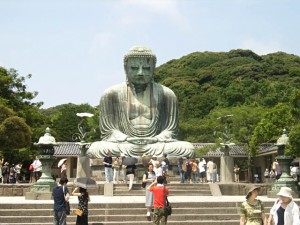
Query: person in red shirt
{"type": "Point", "coordinates": [158, 189]}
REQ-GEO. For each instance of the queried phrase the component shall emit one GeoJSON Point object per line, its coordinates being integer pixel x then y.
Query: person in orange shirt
{"type": "Point", "coordinates": [160, 192]}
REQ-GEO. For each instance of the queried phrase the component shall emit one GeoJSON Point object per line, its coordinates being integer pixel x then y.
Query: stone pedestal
{"type": "Point", "coordinates": [108, 189]}
{"type": "Point", "coordinates": [83, 163]}
{"type": "Point", "coordinates": [226, 169]}
{"type": "Point", "coordinates": [83, 167]}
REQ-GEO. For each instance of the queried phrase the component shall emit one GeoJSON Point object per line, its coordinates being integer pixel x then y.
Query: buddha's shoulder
{"type": "Point", "coordinates": [164, 89]}
{"type": "Point", "coordinates": [115, 89]}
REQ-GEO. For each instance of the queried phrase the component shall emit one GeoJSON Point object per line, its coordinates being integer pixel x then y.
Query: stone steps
{"type": "Point", "coordinates": [199, 222]}
{"type": "Point", "coordinates": [176, 189]}
{"type": "Point", "coordinates": [212, 213]}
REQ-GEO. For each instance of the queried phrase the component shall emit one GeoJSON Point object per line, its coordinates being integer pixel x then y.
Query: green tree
{"type": "Point", "coordinates": [271, 125]}
{"type": "Point", "coordinates": [65, 121]}
{"type": "Point", "coordinates": [14, 133]}
{"type": "Point", "coordinates": [15, 96]}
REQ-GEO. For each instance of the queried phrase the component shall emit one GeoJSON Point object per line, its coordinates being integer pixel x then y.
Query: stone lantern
{"type": "Point", "coordinates": [285, 180]}
{"type": "Point", "coordinates": [42, 189]}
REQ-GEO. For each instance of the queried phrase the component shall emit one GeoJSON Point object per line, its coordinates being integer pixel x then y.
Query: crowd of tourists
{"type": "Point", "coordinates": [20, 173]}
{"type": "Point", "coordinates": [10, 174]}
{"type": "Point", "coordinates": [197, 171]}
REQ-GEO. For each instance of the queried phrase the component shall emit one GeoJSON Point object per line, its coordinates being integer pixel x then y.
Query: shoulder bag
{"type": "Point", "coordinates": [167, 205]}
{"type": "Point", "coordinates": [78, 212]}
{"type": "Point", "coordinates": [67, 203]}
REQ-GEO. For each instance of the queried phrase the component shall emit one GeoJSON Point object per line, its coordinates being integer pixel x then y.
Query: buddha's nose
{"type": "Point", "coordinates": [140, 71]}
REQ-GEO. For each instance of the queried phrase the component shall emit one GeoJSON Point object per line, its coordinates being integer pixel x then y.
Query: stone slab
{"type": "Point", "coordinates": [38, 196]}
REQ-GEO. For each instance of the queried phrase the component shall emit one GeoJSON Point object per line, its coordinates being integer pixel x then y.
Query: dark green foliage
{"type": "Point", "coordinates": [64, 121]}
{"type": "Point", "coordinates": [238, 81]}
{"type": "Point", "coordinates": [19, 117]}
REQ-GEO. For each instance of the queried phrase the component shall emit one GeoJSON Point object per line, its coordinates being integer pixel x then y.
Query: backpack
{"type": "Point", "coordinates": [184, 168]}
{"type": "Point", "coordinates": [5, 170]}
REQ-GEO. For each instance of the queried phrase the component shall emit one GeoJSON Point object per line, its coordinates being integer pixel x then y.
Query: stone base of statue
{"type": "Point", "coordinates": [285, 180]}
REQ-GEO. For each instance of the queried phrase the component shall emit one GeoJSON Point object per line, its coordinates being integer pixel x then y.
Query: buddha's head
{"type": "Point", "coordinates": [139, 65]}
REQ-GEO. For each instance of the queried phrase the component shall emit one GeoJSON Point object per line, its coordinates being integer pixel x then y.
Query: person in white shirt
{"type": "Point", "coordinates": [295, 172]}
{"type": "Point", "coordinates": [202, 170]}
{"type": "Point", "coordinates": [209, 170]}
{"type": "Point", "coordinates": [37, 168]}
{"type": "Point", "coordinates": [158, 170]}
{"type": "Point", "coordinates": [285, 210]}
{"type": "Point", "coordinates": [154, 161]}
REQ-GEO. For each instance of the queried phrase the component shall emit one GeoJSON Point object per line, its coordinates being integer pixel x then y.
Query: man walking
{"type": "Point", "coordinates": [160, 193]}
{"type": "Point", "coordinates": [61, 196]}
{"type": "Point", "coordinates": [108, 168]}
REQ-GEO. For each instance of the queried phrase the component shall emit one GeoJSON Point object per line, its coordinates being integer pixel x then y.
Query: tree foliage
{"type": "Point", "coordinates": [20, 117]}
{"type": "Point", "coordinates": [257, 90]}
{"type": "Point", "coordinates": [14, 132]}
{"type": "Point", "coordinates": [64, 121]}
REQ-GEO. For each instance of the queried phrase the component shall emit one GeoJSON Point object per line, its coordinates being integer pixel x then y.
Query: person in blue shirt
{"type": "Point", "coordinates": [61, 196]}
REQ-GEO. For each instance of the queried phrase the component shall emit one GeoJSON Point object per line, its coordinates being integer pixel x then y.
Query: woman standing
{"type": "Point", "coordinates": [83, 200]}
{"type": "Point", "coordinates": [285, 211]}
{"type": "Point", "coordinates": [63, 169]}
{"type": "Point", "coordinates": [252, 210]}
{"type": "Point", "coordinates": [236, 170]}
{"type": "Point", "coordinates": [148, 178]}
{"type": "Point", "coordinates": [116, 167]}
{"type": "Point", "coordinates": [182, 169]}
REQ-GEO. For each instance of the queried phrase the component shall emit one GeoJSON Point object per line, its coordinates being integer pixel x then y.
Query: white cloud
{"type": "Point", "coordinates": [261, 48]}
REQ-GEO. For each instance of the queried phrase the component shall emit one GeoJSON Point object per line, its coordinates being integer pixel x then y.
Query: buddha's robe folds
{"type": "Point", "coordinates": [117, 128]}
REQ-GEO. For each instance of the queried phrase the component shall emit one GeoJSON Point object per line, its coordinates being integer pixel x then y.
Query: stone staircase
{"type": "Point", "coordinates": [220, 213]}
{"type": "Point", "coordinates": [176, 189]}
{"type": "Point", "coordinates": [202, 212]}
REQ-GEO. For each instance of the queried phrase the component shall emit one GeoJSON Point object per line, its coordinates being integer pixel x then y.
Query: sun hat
{"type": "Point", "coordinates": [250, 189]}
{"type": "Point", "coordinates": [285, 192]}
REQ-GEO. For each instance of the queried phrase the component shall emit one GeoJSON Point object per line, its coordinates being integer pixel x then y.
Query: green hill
{"type": "Point", "coordinates": [208, 84]}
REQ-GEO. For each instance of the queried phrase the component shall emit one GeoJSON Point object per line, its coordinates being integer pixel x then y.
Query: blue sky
{"type": "Point", "coordinates": [74, 48]}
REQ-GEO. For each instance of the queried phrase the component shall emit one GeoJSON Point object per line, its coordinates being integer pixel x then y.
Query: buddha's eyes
{"type": "Point", "coordinates": [137, 67]}
{"type": "Point", "coordinates": [134, 67]}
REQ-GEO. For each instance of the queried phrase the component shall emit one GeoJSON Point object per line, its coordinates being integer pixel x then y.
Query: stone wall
{"type": "Point", "coordinates": [21, 189]}
{"type": "Point", "coordinates": [14, 189]}
{"type": "Point", "coordinates": [241, 189]}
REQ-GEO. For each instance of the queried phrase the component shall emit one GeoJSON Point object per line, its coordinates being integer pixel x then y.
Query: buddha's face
{"type": "Point", "coordinates": [139, 70]}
